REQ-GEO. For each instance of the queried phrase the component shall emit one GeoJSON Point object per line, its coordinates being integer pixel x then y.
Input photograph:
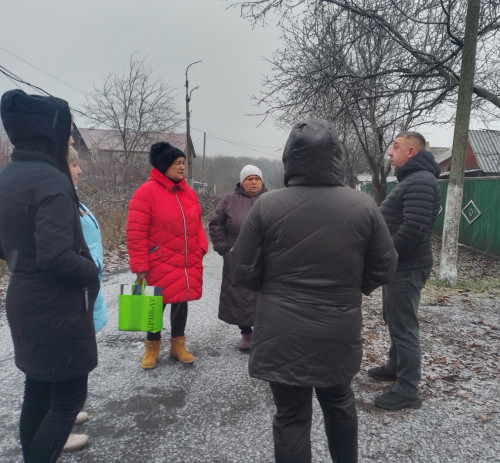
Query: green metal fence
{"type": "Point", "coordinates": [480, 221]}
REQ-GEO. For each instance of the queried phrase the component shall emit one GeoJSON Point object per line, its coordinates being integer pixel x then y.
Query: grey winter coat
{"type": "Point", "coordinates": [311, 250]}
{"type": "Point", "coordinates": [237, 303]}
{"type": "Point", "coordinates": [411, 209]}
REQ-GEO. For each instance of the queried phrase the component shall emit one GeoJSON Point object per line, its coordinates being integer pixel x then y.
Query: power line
{"type": "Point", "coordinates": [41, 70]}
{"type": "Point", "coordinates": [14, 78]}
{"type": "Point", "coordinates": [243, 145]}
{"type": "Point", "coordinates": [17, 79]}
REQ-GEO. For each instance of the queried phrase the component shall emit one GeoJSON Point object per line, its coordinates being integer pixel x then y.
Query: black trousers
{"type": "Point", "coordinates": [47, 416]}
{"type": "Point", "coordinates": [178, 319]}
{"type": "Point", "coordinates": [293, 419]}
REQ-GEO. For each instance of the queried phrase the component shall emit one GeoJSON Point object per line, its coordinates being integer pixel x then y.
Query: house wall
{"type": "Point", "coordinates": [470, 161]}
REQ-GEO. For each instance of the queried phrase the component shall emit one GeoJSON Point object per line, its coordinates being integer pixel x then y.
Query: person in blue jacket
{"type": "Point", "coordinates": [92, 235]}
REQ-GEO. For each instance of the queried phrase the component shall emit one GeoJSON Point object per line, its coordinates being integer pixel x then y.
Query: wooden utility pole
{"type": "Point", "coordinates": [189, 142]}
{"type": "Point", "coordinates": [449, 248]}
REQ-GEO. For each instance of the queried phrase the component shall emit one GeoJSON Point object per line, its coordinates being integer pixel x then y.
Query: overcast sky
{"type": "Point", "coordinates": [80, 42]}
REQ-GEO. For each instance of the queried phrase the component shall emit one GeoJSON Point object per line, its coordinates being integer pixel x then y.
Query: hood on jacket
{"type": "Point", "coordinates": [312, 155]}
{"type": "Point", "coordinates": [423, 160]}
{"type": "Point", "coordinates": [37, 123]}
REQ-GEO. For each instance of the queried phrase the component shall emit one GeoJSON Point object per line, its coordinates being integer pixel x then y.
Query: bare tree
{"type": "Point", "coordinates": [222, 173]}
{"type": "Point", "coordinates": [428, 34]}
{"type": "Point", "coordinates": [375, 67]}
{"type": "Point", "coordinates": [136, 104]}
{"type": "Point", "coordinates": [321, 72]}
{"type": "Point", "coordinates": [353, 156]}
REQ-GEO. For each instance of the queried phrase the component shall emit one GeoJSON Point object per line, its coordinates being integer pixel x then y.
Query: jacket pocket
{"type": "Point", "coordinates": [86, 298]}
{"type": "Point", "coordinates": [154, 253]}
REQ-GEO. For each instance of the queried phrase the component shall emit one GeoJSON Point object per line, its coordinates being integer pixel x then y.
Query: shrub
{"type": "Point", "coordinates": [3, 269]}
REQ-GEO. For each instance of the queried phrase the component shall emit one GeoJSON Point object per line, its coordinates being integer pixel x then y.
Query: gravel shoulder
{"type": "Point", "coordinates": [460, 334]}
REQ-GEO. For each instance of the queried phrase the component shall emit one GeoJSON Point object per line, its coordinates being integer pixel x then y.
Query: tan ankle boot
{"type": "Point", "coordinates": [178, 350]}
{"type": "Point", "coordinates": [151, 354]}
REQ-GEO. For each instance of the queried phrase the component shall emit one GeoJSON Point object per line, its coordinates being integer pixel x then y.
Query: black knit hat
{"type": "Point", "coordinates": [162, 155]}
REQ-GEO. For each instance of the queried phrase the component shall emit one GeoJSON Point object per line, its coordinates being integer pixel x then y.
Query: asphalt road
{"type": "Point", "coordinates": [211, 411]}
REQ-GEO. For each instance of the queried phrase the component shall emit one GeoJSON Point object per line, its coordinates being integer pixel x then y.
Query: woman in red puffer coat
{"type": "Point", "coordinates": [166, 243]}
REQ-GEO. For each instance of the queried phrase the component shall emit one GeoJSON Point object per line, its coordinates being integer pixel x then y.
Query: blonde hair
{"type": "Point", "coordinates": [72, 154]}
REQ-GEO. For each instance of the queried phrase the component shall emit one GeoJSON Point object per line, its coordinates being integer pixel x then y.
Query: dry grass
{"type": "Point", "coordinates": [3, 269]}
{"type": "Point", "coordinates": [113, 223]}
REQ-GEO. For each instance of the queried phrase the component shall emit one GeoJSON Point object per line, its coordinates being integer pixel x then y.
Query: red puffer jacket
{"type": "Point", "coordinates": [165, 237]}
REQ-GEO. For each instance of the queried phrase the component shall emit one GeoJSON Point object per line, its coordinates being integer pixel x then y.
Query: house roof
{"type": "Point", "coordinates": [438, 150]}
{"type": "Point", "coordinates": [486, 147]}
{"type": "Point", "coordinates": [110, 140]}
{"type": "Point", "coordinates": [443, 156]}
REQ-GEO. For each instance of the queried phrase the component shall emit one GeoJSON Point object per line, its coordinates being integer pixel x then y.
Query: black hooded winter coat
{"type": "Point", "coordinates": [411, 209]}
{"type": "Point", "coordinates": [311, 250]}
{"type": "Point", "coordinates": [53, 279]}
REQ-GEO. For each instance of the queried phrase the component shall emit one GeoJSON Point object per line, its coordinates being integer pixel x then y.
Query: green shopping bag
{"type": "Point", "coordinates": [140, 307]}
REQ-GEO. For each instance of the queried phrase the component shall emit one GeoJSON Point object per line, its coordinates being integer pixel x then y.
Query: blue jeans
{"type": "Point", "coordinates": [401, 299]}
{"type": "Point", "coordinates": [293, 419]}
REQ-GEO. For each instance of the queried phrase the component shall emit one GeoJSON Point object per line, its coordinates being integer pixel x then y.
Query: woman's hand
{"type": "Point", "coordinates": [141, 276]}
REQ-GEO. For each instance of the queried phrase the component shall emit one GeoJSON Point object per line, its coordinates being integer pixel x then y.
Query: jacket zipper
{"type": "Point", "coordinates": [85, 289]}
{"type": "Point", "coordinates": [185, 241]}
{"type": "Point", "coordinates": [86, 294]}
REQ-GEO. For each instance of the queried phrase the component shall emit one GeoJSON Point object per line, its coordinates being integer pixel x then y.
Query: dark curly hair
{"type": "Point", "coordinates": [163, 154]}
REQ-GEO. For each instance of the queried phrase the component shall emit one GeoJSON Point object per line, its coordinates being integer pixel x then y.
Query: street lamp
{"type": "Point", "coordinates": [188, 130]}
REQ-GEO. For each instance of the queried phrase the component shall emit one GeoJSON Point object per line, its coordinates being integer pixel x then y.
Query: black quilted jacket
{"type": "Point", "coordinates": [310, 250]}
{"type": "Point", "coordinates": [411, 209]}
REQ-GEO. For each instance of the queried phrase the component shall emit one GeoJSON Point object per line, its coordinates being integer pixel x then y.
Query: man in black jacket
{"type": "Point", "coordinates": [311, 250]}
{"type": "Point", "coordinates": [410, 211]}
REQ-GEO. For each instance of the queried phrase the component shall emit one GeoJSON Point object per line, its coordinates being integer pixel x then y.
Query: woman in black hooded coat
{"type": "Point", "coordinates": [53, 279]}
{"type": "Point", "coordinates": [311, 250]}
